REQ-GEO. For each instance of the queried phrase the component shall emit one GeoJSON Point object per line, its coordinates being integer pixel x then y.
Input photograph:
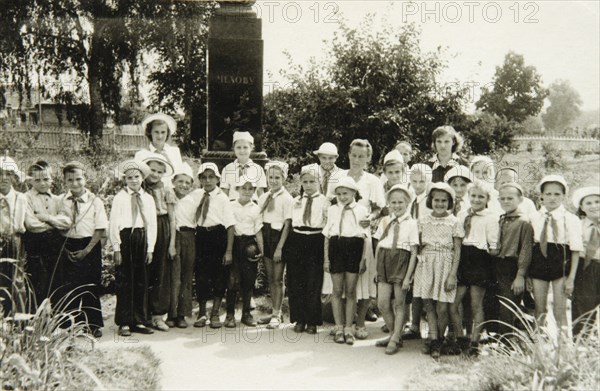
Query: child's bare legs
{"type": "Point", "coordinates": [416, 310]}
{"type": "Point", "coordinates": [362, 309]}
{"type": "Point", "coordinates": [384, 302]}
{"type": "Point", "coordinates": [431, 318]}
{"type": "Point", "coordinates": [336, 299]}
{"type": "Point", "coordinates": [455, 313]}
{"type": "Point", "coordinates": [398, 325]}
{"type": "Point", "coordinates": [477, 294]}
{"type": "Point", "coordinates": [275, 276]}
{"type": "Point", "coordinates": [350, 289]}
{"type": "Point", "coordinates": [540, 296]}
{"type": "Point", "coordinates": [559, 307]}
{"type": "Point", "coordinates": [442, 317]}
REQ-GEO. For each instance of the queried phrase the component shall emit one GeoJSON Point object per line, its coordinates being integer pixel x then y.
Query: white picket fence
{"type": "Point", "coordinates": [564, 143]}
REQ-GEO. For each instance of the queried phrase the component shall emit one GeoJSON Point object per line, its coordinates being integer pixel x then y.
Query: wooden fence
{"type": "Point", "coordinates": [123, 140]}
{"type": "Point", "coordinates": [564, 143]}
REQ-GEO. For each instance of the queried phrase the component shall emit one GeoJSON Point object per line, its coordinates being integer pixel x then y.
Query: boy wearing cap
{"type": "Point", "coordinates": [328, 174]}
{"type": "Point", "coordinates": [159, 273]}
{"type": "Point", "coordinates": [509, 175]}
{"type": "Point", "coordinates": [276, 209]}
{"type": "Point", "coordinates": [394, 171]}
{"type": "Point", "coordinates": [183, 244]}
{"type": "Point", "coordinates": [459, 177]}
{"type": "Point", "coordinates": [132, 233]}
{"type": "Point", "coordinates": [242, 166]}
{"type": "Point", "coordinates": [586, 294]}
{"type": "Point", "coordinates": [512, 255]}
{"type": "Point", "coordinates": [214, 242]}
{"type": "Point", "coordinates": [247, 250]}
{"type": "Point", "coordinates": [558, 242]}
{"type": "Point", "coordinates": [13, 205]}
{"type": "Point", "coordinates": [81, 256]}
{"type": "Point", "coordinates": [42, 239]}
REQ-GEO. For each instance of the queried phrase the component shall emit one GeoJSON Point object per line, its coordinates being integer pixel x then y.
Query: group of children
{"type": "Point", "coordinates": [442, 236]}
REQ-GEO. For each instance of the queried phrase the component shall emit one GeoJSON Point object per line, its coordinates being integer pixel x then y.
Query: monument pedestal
{"type": "Point", "coordinates": [235, 81]}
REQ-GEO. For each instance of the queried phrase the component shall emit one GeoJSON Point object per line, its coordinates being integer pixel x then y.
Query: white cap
{"type": "Point", "coordinates": [157, 157]}
{"type": "Point", "coordinates": [346, 182]}
{"type": "Point", "coordinates": [171, 123]}
{"type": "Point", "coordinates": [243, 180]}
{"type": "Point", "coordinates": [283, 166]}
{"type": "Point", "coordinates": [8, 164]}
{"type": "Point", "coordinates": [132, 164]}
{"type": "Point", "coordinates": [184, 169]}
{"type": "Point", "coordinates": [444, 187]}
{"type": "Point", "coordinates": [423, 169]}
{"type": "Point", "coordinates": [583, 192]}
{"type": "Point", "coordinates": [209, 166]}
{"type": "Point", "coordinates": [311, 169]}
{"type": "Point", "coordinates": [553, 178]}
{"type": "Point", "coordinates": [394, 154]}
{"type": "Point", "coordinates": [327, 149]}
{"type": "Point", "coordinates": [461, 171]}
{"type": "Point", "coordinates": [407, 190]}
{"type": "Point", "coordinates": [238, 136]}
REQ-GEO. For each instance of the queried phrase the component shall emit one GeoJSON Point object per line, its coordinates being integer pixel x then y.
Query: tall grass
{"type": "Point", "coordinates": [539, 358]}
{"type": "Point", "coordinates": [40, 351]}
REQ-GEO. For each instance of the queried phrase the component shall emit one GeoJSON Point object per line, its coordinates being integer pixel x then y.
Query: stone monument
{"type": "Point", "coordinates": [235, 80]}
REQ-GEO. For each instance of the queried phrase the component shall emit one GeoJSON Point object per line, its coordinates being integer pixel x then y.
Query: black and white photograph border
{"type": "Point", "coordinates": [186, 105]}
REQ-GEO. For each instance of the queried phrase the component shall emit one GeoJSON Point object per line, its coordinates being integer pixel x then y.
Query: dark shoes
{"type": "Point", "coordinates": [229, 321]}
{"type": "Point", "coordinates": [215, 322]}
{"type": "Point", "coordinates": [248, 320]}
{"type": "Point", "coordinates": [181, 323]}
{"type": "Point", "coordinates": [393, 347]}
{"type": "Point", "coordinates": [171, 322]}
{"type": "Point", "coordinates": [436, 348]}
{"type": "Point", "coordinates": [311, 329]}
{"type": "Point", "coordinates": [141, 329]}
{"type": "Point", "coordinates": [371, 316]}
{"type": "Point", "coordinates": [299, 327]}
{"type": "Point", "coordinates": [411, 334]}
{"type": "Point", "coordinates": [201, 321]}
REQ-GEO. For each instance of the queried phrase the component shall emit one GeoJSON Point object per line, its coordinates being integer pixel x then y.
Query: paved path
{"type": "Point", "coordinates": [257, 358]}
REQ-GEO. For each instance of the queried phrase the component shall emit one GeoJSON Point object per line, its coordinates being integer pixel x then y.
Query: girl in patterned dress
{"type": "Point", "coordinates": [435, 275]}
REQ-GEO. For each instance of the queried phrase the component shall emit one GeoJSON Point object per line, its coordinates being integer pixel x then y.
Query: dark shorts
{"type": "Point", "coordinates": [475, 267]}
{"type": "Point", "coordinates": [557, 263]}
{"type": "Point", "coordinates": [392, 265]}
{"type": "Point", "coordinates": [270, 239]}
{"type": "Point", "coordinates": [345, 254]}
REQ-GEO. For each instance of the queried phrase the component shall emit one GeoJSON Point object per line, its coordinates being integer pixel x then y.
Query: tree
{"type": "Point", "coordinates": [517, 90]}
{"type": "Point", "coordinates": [91, 43]}
{"type": "Point", "coordinates": [376, 85]}
{"type": "Point", "coordinates": [564, 108]}
{"type": "Point", "coordinates": [490, 133]}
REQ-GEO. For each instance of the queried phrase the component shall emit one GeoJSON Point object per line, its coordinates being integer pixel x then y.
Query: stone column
{"type": "Point", "coordinates": [235, 79]}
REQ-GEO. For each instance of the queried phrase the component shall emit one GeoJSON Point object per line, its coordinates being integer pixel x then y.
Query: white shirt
{"type": "Point", "coordinates": [318, 216]}
{"type": "Point", "coordinates": [421, 201]}
{"type": "Point", "coordinates": [407, 236]}
{"type": "Point", "coordinates": [38, 203]}
{"type": "Point", "coordinates": [350, 222]}
{"type": "Point", "coordinates": [370, 190]}
{"type": "Point", "coordinates": [336, 174]}
{"type": "Point", "coordinates": [484, 229]}
{"type": "Point", "coordinates": [13, 220]}
{"type": "Point", "coordinates": [586, 226]}
{"type": "Point", "coordinates": [121, 217]}
{"type": "Point", "coordinates": [283, 204]}
{"type": "Point", "coordinates": [230, 176]}
{"type": "Point", "coordinates": [185, 213]}
{"type": "Point", "coordinates": [248, 220]}
{"type": "Point", "coordinates": [527, 206]}
{"type": "Point", "coordinates": [91, 215]}
{"type": "Point", "coordinates": [219, 208]}
{"type": "Point", "coordinates": [567, 224]}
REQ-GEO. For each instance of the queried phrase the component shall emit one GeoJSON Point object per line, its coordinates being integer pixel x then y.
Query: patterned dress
{"type": "Point", "coordinates": [435, 261]}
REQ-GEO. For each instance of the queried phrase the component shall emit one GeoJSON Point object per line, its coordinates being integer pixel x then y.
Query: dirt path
{"type": "Point", "coordinates": [257, 358]}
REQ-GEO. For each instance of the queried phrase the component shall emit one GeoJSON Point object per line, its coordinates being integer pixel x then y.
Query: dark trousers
{"type": "Point", "coordinates": [304, 259]}
{"type": "Point", "coordinates": [242, 274]}
{"type": "Point", "coordinates": [182, 274]}
{"type": "Point", "coordinates": [586, 296]}
{"type": "Point", "coordinates": [505, 272]}
{"type": "Point", "coordinates": [210, 273]}
{"type": "Point", "coordinates": [159, 271]}
{"type": "Point", "coordinates": [82, 279]}
{"type": "Point", "coordinates": [42, 250]}
{"type": "Point", "coordinates": [9, 249]}
{"type": "Point", "coordinates": [131, 279]}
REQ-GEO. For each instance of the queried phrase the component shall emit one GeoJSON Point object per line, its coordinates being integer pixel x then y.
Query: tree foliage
{"type": "Point", "coordinates": [377, 85]}
{"type": "Point", "coordinates": [565, 106]}
{"type": "Point", "coordinates": [489, 134]}
{"type": "Point", "coordinates": [517, 90]}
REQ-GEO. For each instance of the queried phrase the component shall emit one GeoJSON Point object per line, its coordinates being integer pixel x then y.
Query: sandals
{"type": "Point", "coordinates": [361, 333]}
{"type": "Point", "coordinates": [348, 336]}
{"type": "Point", "coordinates": [393, 347]}
{"type": "Point", "coordinates": [274, 323]}
{"type": "Point", "coordinates": [339, 336]}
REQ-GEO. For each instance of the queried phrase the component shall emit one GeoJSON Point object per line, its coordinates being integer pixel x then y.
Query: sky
{"type": "Point", "coordinates": [560, 38]}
